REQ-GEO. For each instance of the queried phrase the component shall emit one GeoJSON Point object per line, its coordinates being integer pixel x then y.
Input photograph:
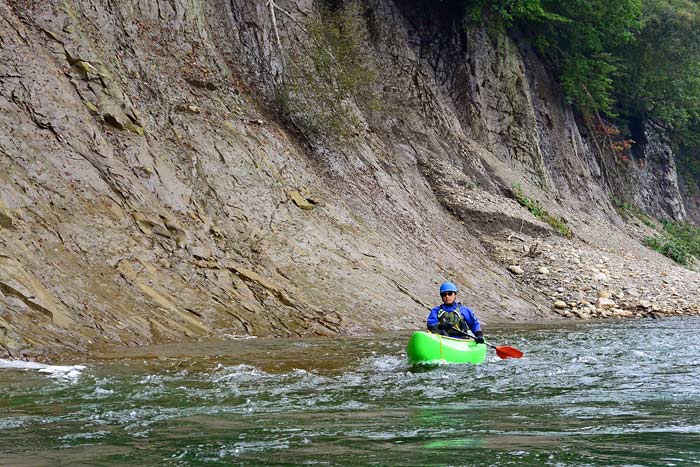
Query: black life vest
{"type": "Point", "coordinates": [450, 321]}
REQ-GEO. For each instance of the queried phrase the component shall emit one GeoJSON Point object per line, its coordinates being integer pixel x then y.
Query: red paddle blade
{"type": "Point", "coordinates": [504, 351]}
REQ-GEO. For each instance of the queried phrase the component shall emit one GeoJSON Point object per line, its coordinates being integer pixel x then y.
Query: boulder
{"type": "Point", "coordinates": [605, 303]}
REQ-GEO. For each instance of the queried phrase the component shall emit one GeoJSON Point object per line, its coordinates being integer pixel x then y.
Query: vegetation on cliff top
{"type": "Point", "coordinates": [630, 59]}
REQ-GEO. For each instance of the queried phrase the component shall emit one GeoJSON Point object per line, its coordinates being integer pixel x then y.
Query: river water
{"type": "Point", "coordinates": [623, 393]}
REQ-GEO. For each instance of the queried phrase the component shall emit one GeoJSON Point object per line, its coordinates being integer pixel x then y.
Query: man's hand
{"type": "Point", "coordinates": [479, 335]}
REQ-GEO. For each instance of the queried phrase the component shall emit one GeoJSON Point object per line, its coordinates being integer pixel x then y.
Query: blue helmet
{"type": "Point", "coordinates": [447, 287]}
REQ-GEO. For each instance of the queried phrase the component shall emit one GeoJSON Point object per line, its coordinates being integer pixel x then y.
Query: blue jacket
{"type": "Point", "coordinates": [468, 315]}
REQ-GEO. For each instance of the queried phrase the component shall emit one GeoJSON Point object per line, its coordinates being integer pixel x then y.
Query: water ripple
{"type": "Point", "coordinates": [588, 394]}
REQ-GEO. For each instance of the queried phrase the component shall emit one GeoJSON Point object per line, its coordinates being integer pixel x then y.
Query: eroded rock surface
{"type": "Point", "coordinates": [150, 190]}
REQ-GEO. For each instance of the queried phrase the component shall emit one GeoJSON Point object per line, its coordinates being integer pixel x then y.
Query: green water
{"type": "Point", "coordinates": [601, 394]}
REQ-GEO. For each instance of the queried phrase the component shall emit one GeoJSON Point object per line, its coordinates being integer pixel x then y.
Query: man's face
{"type": "Point", "coordinates": [448, 298]}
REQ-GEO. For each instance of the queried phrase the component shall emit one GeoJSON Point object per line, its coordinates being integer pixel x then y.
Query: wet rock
{"type": "Point", "coordinates": [560, 305]}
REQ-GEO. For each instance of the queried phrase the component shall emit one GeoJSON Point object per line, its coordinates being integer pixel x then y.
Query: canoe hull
{"type": "Point", "coordinates": [426, 347]}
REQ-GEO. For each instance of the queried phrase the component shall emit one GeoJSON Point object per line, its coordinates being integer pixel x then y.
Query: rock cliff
{"type": "Point", "coordinates": [184, 169]}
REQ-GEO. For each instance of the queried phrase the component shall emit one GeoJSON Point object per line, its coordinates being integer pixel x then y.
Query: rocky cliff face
{"type": "Point", "coordinates": [151, 189]}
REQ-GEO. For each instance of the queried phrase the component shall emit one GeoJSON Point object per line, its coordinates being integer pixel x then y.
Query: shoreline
{"type": "Point", "coordinates": [173, 350]}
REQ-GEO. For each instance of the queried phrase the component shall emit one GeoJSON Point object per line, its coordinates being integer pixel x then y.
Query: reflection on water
{"type": "Point", "coordinates": [601, 394]}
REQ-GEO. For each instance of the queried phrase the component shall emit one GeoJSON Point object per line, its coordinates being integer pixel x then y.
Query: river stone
{"type": "Point", "coordinates": [543, 270]}
{"type": "Point", "coordinates": [560, 304]}
{"type": "Point", "coordinates": [599, 277]}
{"type": "Point", "coordinates": [603, 294]}
{"type": "Point", "coordinates": [515, 269]}
{"type": "Point", "coordinates": [605, 303]}
{"type": "Point", "coordinates": [582, 314]}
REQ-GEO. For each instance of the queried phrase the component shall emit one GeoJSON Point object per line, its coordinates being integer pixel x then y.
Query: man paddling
{"type": "Point", "coordinates": [453, 319]}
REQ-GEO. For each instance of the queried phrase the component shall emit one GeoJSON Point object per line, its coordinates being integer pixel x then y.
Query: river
{"type": "Point", "coordinates": [622, 393]}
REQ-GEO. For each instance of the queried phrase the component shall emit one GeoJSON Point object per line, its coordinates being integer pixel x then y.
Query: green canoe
{"type": "Point", "coordinates": [426, 347]}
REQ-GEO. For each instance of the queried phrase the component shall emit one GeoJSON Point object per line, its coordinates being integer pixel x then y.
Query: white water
{"type": "Point", "coordinates": [68, 372]}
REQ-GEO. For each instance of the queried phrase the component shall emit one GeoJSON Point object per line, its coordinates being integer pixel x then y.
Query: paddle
{"type": "Point", "coordinates": [503, 351]}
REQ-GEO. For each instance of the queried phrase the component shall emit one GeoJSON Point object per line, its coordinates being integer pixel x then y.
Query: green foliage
{"type": "Point", "coordinates": [508, 12]}
{"type": "Point", "coordinates": [579, 38]}
{"type": "Point", "coordinates": [587, 45]}
{"type": "Point", "coordinates": [628, 210]}
{"type": "Point", "coordinates": [326, 82]}
{"type": "Point", "coordinates": [678, 241]}
{"type": "Point", "coordinates": [596, 73]}
{"type": "Point", "coordinates": [661, 78]}
{"type": "Point", "coordinates": [632, 60]}
{"type": "Point", "coordinates": [534, 206]}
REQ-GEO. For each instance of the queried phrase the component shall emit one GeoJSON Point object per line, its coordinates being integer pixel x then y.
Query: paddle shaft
{"type": "Point", "coordinates": [503, 351]}
{"type": "Point", "coordinates": [471, 336]}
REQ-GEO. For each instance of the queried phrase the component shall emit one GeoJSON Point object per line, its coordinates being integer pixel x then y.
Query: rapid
{"type": "Point", "coordinates": [610, 393]}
